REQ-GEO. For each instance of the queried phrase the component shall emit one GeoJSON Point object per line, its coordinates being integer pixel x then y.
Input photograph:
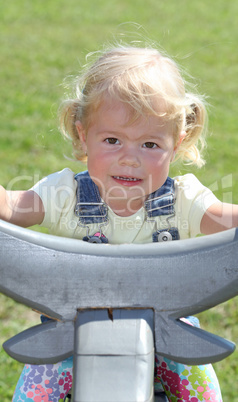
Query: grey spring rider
{"type": "Point", "coordinates": [115, 305]}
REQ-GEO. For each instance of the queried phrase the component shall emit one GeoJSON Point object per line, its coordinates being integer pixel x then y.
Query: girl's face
{"type": "Point", "coordinates": [127, 161]}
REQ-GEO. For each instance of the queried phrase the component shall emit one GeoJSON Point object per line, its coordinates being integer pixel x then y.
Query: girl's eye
{"type": "Point", "coordinates": [112, 140]}
{"type": "Point", "coordinates": [150, 145]}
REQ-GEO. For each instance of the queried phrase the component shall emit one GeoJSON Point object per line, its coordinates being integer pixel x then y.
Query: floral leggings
{"type": "Point", "coordinates": [181, 383]}
{"type": "Point", "coordinates": [51, 383]}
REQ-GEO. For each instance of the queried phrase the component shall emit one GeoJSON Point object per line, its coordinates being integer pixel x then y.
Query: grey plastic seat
{"type": "Point", "coordinates": [157, 282]}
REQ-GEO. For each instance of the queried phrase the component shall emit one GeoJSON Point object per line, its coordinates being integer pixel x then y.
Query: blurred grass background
{"type": "Point", "coordinates": [42, 42]}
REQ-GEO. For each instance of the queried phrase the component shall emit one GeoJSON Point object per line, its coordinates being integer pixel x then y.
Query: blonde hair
{"type": "Point", "coordinates": [144, 79]}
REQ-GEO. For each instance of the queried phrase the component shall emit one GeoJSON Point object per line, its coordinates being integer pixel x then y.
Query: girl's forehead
{"type": "Point", "coordinates": [113, 105]}
{"type": "Point", "coordinates": [112, 113]}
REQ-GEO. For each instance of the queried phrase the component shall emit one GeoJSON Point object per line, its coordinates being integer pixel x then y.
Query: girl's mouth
{"type": "Point", "coordinates": [127, 180]}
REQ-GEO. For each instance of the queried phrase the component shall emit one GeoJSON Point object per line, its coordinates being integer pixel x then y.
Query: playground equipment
{"type": "Point", "coordinates": [115, 305]}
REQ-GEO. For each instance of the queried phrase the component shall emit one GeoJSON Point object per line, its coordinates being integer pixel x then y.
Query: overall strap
{"type": "Point", "coordinates": [89, 207]}
{"type": "Point", "coordinates": [162, 201]}
{"type": "Point", "coordinates": [159, 203]}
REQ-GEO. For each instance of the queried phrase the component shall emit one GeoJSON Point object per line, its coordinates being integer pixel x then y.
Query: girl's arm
{"type": "Point", "coordinates": [22, 208]}
{"type": "Point", "coordinates": [218, 217]}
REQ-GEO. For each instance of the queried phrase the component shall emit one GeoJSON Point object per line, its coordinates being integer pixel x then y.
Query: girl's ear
{"type": "Point", "coordinates": [180, 140]}
{"type": "Point", "coordinates": [82, 135]}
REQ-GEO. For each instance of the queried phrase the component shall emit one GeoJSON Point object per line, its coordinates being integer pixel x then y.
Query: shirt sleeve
{"type": "Point", "coordinates": [193, 200]}
{"type": "Point", "coordinates": [58, 194]}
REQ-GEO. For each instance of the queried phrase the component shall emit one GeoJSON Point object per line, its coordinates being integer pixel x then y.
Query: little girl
{"type": "Point", "coordinates": [130, 118]}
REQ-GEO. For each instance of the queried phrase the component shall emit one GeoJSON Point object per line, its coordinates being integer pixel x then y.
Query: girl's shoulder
{"type": "Point", "coordinates": [189, 185]}
{"type": "Point", "coordinates": [192, 195]}
{"type": "Point", "coordinates": [58, 195]}
{"type": "Point", "coordinates": [188, 188]}
{"type": "Point", "coordinates": [57, 179]}
{"type": "Point", "coordinates": [183, 180]}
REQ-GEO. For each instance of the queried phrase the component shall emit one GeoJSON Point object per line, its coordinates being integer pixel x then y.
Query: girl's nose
{"type": "Point", "coordinates": [129, 157]}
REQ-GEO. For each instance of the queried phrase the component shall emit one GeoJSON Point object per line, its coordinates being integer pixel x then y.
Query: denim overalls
{"type": "Point", "coordinates": [91, 209]}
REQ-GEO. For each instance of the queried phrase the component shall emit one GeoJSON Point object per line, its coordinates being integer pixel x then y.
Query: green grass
{"type": "Point", "coordinates": [42, 42]}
